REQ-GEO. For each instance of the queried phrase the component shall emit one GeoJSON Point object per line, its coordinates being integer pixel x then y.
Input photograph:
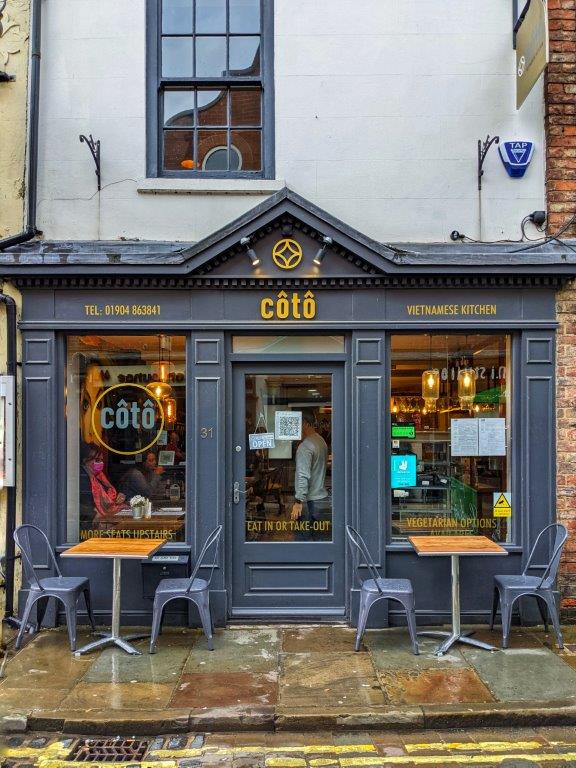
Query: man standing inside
{"type": "Point", "coordinates": [311, 496]}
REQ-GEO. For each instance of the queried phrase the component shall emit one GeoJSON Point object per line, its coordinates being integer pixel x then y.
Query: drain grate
{"type": "Point", "coordinates": [116, 750]}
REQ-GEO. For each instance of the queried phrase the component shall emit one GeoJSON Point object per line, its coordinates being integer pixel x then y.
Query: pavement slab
{"type": "Point", "coordinates": [333, 679]}
{"type": "Point", "coordinates": [26, 699]}
{"type": "Point", "coordinates": [526, 674]}
{"type": "Point", "coordinates": [87, 695]}
{"type": "Point", "coordinates": [113, 665]}
{"type": "Point", "coordinates": [434, 686]}
{"type": "Point", "coordinates": [392, 650]}
{"type": "Point", "coordinates": [319, 640]}
{"type": "Point", "coordinates": [244, 650]}
{"type": "Point", "coordinates": [224, 689]}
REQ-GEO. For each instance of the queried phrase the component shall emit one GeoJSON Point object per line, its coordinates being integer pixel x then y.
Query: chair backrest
{"type": "Point", "coordinates": [551, 568]}
{"type": "Point", "coordinates": [212, 541]}
{"type": "Point", "coordinates": [27, 538]}
{"type": "Point", "coordinates": [361, 552]}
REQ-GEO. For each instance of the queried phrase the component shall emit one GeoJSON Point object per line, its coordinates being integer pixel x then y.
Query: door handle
{"type": "Point", "coordinates": [236, 493]}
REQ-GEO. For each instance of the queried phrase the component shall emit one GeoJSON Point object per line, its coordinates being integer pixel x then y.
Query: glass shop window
{"type": "Point", "coordinates": [451, 434]}
{"type": "Point", "coordinates": [126, 437]}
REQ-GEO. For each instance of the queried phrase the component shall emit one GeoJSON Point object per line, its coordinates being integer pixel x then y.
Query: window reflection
{"type": "Point", "coordinates": [244, 16]}
{"type": "Point", "coordinates": [245, 55]}
{"type": "Point", "coordinates": [177, 57]}
{"type": "Point", "coordinates": [177, 17]}
{"type": "Point", "coordinates": [211, 16]}
{"type": "Point", "coordinates": [210, 56]}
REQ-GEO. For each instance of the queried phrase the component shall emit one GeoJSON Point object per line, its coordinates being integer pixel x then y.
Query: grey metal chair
{"type": "Point", "coordinates": [193, 589]}
{"type": "Point", "coordinates": [509, 588]}
{"type": "Point", "coordinates": [66, 589]}
{"type": "Point", "coordinates": [377, 588]}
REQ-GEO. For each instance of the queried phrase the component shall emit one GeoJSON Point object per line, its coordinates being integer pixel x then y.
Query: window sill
{"type": "Point", "coordinates": [161, 186]}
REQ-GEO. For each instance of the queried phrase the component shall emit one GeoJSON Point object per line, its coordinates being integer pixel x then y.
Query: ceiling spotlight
{"type": "Point", "coordinates": [246, 241]}
{"type": "Point", "coordinates": [318, 259]}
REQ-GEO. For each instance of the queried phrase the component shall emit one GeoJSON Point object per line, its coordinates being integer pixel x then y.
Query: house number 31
{"type": "Point", "coordinates": [206, 432]}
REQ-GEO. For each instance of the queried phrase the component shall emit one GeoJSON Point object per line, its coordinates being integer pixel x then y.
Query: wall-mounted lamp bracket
{"type": "Point", "coordinates": [483, 148]}
{"type": "Point", "coordinates": [94, 147]}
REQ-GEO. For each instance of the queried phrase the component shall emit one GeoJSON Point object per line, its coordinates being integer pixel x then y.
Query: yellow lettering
{"type": "Point", "coordinates": [266, 312]}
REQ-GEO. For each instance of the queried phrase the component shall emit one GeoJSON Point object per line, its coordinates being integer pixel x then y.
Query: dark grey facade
{"type": "Point", "coordinates": [363, 291]}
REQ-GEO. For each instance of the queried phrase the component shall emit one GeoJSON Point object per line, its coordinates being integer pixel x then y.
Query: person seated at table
{"type": "Point", "coordinates": [174, 445]}
{"type": "Point", "coordinates": [144, 480]}
{"type": "Point", "coordinates": [107, 500]}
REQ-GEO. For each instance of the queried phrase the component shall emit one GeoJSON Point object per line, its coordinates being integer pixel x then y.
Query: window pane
{"type": "Point", "coordinates": [177, 17]}
{"type": "Point", "coordinates": [211, 16]}
{"type": "Point", "coordinates": [212, 143]}
{"type": "Point", "coordinates": [287, 344]}
{"type": "Point", "coordinates": [248, 143]}
{"type": "Point", "coordinates": [210, 56]}
{"type": "Point", "coordinates": [245, 55]}
{"type": "Point", "coordinates": [245, 106]}
{"type": "Point", "coordinates": [177, 57]}
{"type": "Point", "coordinates": [178, 108]}
{"type": "Point", "coordinates": [298, 464]}
{"type": "Point", "coordinates": [451, 432]}
{"type": "Point", "coordinates": [179, 150]}
{"type": "Point", "coordinates": [212, 108]}
{"type": "Point", "coordinates": [244, 15]}
{"type": "Point", "coordinates": [118, 447]}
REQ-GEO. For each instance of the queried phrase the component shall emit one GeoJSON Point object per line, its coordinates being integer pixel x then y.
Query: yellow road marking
{"type": "Point", "coordinates": [354, 762]}
{"type": "Point", "coordinates": [470, 746]}
{"type": "Point", "coordinates": [286, 762]}
{"type": "Point", "coordinates": [322, 762]}
{"type": "Point", "coordinates": [309, 749]}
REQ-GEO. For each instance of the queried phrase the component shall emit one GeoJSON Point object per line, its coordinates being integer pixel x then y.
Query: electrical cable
{"type": "Point", "coordinates": [555, 236]}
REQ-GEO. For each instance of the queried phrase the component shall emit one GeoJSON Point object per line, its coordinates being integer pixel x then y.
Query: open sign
{"type": "Point", "coordinates": [122, 413]}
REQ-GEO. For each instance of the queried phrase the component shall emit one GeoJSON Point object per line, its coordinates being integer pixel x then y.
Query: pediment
{"type": "Point", "coordinates": [285, 235]}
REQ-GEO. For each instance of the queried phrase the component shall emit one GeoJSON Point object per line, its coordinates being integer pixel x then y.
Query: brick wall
{"type": "Point", "coordinates": [560, 91]}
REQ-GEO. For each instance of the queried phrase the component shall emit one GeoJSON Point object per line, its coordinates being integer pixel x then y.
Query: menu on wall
{"type": "Point", "coordinates": [478, 437]}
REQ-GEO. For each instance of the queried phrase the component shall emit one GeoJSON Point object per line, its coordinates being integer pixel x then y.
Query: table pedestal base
{"type": "Point", "coordinates": [107, 638]}
{"type": "Point", "coordinates": [452, 638]}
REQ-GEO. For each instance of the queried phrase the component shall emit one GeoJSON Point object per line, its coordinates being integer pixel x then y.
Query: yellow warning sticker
{"type": "Point", "coordinates": [502, 504]}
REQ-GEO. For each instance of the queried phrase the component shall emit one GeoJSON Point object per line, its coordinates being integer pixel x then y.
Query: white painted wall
{"type": "Point", "coordinates": [379, 106]}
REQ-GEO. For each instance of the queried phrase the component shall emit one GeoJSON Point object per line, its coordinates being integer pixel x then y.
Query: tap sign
{"type": "Point", "coordinates": [127, 419]}
{"type": "Point", "coordinates": [516, 156]}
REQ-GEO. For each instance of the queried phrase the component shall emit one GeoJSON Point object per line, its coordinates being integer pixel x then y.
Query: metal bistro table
{"type": "Point", "coordinates": [455, 547]}
{"type": "Point", "coordinates": [117, 549]}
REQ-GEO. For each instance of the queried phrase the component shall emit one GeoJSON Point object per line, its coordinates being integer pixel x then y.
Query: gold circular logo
{"type": "Point", "coordinates": [287, 253]}
{"type": "Point", "coordinates": [120, 414]}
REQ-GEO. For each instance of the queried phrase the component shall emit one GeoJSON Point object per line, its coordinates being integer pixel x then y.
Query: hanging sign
{"type": "Point", "coordinates": [532, 50]}
{"type": "Point", "coordinates": [260, 440]}
{"type": "Point", "coordinates": [502, 504]}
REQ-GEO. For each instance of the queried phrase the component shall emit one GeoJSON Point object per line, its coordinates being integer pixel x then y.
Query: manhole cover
{"type": "Point", "coordinates": [115, 750]}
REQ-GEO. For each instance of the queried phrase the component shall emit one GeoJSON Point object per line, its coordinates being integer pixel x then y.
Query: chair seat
{"type": "Point", "coordinates": [390, 586]}
{"type": "Point", "coordinates": [62, 583]}
{"type": "Point", "coordinates": [180, 585]}
{"type": "Point", "coordinates": [520, 582]}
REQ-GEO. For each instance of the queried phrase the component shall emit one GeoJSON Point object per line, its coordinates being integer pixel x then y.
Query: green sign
{"type": "Point", "coordinates": [407, 431]}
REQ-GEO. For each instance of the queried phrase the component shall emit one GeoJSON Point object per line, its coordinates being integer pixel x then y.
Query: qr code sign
{"type": "Point", "coordinates": [288, 425]}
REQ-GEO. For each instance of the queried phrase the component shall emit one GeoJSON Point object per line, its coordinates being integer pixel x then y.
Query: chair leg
{"type": "Point", "coordinates": [541, 608]}
{"type": "Point", "coordinates": [553, 611]}
{"type": "Point", "coordinates": [365, 605]}
{"type": "Point", "coordinates": [157, 612]}
{"type": "Point", "coordinates": [41, 605]}
{"type": "Point", "coordinates": [506, 609]}
{"type": "Point", "coordinates": [202, 600]}
{"type": "Point", "coordinates": [89, 609]}
{"type": "Point", "coordinates": [495, 601]}
{"type": "Point", "coordinates": [30, 600]}
{"type": "Point", "coordinates": [411, 618]}
{"type": "Point", "coordinates": [70, 610]}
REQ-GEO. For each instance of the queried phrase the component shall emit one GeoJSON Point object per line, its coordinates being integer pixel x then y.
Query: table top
{"type": "Point", "coordinates": [455, 545]}
{"type": "Point", "coordinates": [134, 548]}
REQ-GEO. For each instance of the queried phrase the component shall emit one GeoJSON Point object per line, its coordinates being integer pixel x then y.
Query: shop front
{"type": "Point", "coordinates": [285, 378]}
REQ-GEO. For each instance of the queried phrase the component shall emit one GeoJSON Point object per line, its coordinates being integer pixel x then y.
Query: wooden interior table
{"type": "Point", "coordinates": [455, 547]}
{"type": "Point", "coordinates": [117, 549]}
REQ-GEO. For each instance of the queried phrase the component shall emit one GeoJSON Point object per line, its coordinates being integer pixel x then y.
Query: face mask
{"type": "Point", "coordinates": [98, 466]}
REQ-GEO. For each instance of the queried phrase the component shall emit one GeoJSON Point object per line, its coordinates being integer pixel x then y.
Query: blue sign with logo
{"type": "Point", "coordinates": [516, 156]}
{"type": "Point", "coordinates": [403, 470]}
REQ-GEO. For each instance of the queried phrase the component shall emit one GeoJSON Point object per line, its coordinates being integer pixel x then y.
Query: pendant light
{"type": "Point", "coordinates": [430, 384]}
{"type": "Point", "coordinates": [159, 386]}
{"type": "Point", "coordinates": [466, 385]}
{"type": "Point", "coordinates": [170, 410]}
